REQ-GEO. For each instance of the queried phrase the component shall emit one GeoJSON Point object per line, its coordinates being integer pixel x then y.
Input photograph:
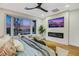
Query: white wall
{"type": "Point", "coordinates": [70, 30]}
{"type": "Point", "coordinates": [2, 21]}
{"type": "Point", "coordinates": [59, 30]}
{"type": "Point", "coordinates": [74, 28]}
{"type": "Point", "coordinates": [4, 12]}
{"type": "Point", "coordinates": [39, 22]}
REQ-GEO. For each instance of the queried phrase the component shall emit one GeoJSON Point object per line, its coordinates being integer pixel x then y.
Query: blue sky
{"type": "Point", "coordinates": [26, 22]}
{"type": "Point", "coordinates": [8, 19]}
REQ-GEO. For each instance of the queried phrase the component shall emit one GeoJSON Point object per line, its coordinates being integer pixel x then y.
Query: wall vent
{"type": "Point", "coordinates": [55, 10]}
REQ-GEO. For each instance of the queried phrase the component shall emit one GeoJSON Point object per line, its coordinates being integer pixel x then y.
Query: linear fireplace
{"type": "Point", "coordinates": [55, 34]}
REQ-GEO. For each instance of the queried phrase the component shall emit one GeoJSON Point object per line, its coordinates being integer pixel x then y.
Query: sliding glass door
{"type": "Point", "coordinates": [16, 24]}
{"type": "Point", "coordinates": [26, 26]}
{"type": "Point", "coordinates": [21, 26]}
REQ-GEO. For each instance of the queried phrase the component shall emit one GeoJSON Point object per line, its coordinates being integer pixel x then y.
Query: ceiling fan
{"type": "Point", "coordinates": [38, 7]}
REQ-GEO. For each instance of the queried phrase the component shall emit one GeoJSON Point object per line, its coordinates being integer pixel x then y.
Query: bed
{"type": "Point", "coordinates": [29, 47]}
{"type": "Point", "coordinates": [32, 48]}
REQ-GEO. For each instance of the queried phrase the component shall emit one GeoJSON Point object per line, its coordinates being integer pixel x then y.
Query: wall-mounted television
{"type": "Point", "coordinates": [56, 22]}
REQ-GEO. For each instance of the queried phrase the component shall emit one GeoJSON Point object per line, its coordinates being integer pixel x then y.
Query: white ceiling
{"type": "Point", "coordinates": [19, 7]}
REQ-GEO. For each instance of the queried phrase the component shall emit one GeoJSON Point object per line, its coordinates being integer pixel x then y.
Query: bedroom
{"type": "Point", "coordinates": [19, 25]}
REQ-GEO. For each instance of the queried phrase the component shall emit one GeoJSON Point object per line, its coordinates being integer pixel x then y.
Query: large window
{"type": "Point", "coordinates": [21, 26]}
{"type": "Point", "coordinates": [26, 26]}
{"type": "Point", "coordinates": [8, 24]}
{"type": "Point", "coordinates": [16, 22]}
{"type": "Point", "coordinates": [33, 26]}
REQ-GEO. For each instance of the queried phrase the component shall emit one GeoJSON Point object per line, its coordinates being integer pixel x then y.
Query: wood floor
{"type": "Point", "coordinates": [72, 50]}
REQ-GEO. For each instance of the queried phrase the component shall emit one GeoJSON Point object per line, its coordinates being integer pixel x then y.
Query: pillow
{"type": "Point", "coordinates": [37, 37]}
{"type": "Point", "coordinates": [7, 36]}
{"type": "Point", "coordinates": [30, 36]}
{"type": "Point", "coordinates": [8, 49]}
{"type": "Point", "coordinates": [1, 36]}
{"type": "Point", "coordinates": [19, 46]}
{"type": "Point", "coordinates": [4, 39]}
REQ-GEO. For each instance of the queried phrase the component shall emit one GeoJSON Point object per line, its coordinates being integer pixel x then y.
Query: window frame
{"type": "Point", "coordinates": [12, 24]}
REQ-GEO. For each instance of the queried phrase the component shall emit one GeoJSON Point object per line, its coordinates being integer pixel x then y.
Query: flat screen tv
{"type": "Point", "coordinates": [56, 22]}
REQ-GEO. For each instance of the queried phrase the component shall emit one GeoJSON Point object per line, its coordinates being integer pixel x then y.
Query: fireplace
{"type": "Point", "coordinates": [55, 34]}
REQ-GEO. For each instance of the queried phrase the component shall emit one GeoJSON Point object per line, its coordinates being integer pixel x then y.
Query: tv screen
{"type": "Point", "coordinates": [56, 22]}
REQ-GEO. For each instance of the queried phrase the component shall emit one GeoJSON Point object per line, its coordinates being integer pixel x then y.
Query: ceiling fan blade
{"type": "Point", "coordinates": [39, 4]}
{"type": "Point", "coordinates": [39, 7]}
{"type": "Point", "coordinates": [43, 9]}
{"type": "Point", "coordinates": [29, 8]}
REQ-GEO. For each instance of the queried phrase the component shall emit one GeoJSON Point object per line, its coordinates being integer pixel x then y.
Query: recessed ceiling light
{"type": "Point", "coordinates": [67, 6]}
{"type": "Point", "coordinates": [42, 15]}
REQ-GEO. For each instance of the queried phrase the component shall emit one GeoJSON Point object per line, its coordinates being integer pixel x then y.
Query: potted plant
{"type": "Point", "coordinates": [41, 30]}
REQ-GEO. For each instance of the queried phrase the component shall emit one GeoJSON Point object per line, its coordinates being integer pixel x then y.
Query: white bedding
{"type": "Point", "coordinates": [4, 39]}
{"type": "Point", "coordinates": [35, 50]}
{"type": "Point", "coordinates": [28, 51]}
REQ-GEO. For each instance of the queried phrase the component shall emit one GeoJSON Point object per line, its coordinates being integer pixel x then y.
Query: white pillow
{"type": "Point", "coordinates": [7, 37]}
{"type": "Point", "coordinates": [4, 39]}
{"type": "Point", "coordinates": [19, 46]}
